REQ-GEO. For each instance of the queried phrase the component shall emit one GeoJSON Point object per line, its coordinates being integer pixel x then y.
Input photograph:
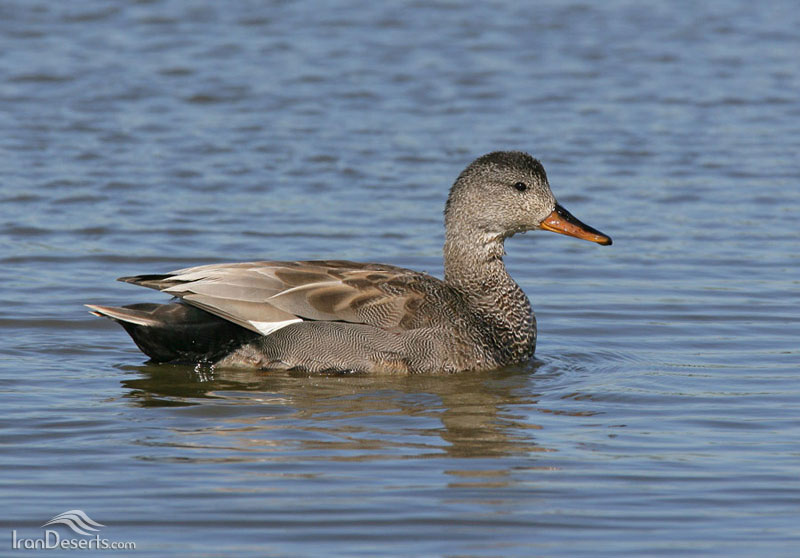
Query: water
{"type": "Point", "coordinates": [660, 416]}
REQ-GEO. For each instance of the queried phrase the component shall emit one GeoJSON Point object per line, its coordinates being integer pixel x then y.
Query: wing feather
{"type": "Point", "coordinates": [263, 296]}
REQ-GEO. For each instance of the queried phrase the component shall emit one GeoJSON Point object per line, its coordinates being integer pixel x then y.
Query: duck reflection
{"type": "Point", "coordinates": [349, 417]}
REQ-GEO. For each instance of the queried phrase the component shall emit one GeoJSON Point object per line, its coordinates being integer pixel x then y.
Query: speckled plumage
{"type": "Point", "coordinates": [337, 315]}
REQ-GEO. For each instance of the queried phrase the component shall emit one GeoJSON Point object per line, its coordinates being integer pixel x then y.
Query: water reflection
{"type": "Point", "coordinates": [276, 415]}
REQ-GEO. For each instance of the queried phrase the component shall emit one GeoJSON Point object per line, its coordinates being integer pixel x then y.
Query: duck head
{"type": "Point", "coordinates": [506, 192]}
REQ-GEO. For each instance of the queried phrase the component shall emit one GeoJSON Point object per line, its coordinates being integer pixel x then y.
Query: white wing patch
{"type": "Point", "coordinates": [265, 328]}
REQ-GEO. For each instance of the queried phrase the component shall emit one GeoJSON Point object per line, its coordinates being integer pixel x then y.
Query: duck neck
{"type": "Point", "coordinates": [473, 264]}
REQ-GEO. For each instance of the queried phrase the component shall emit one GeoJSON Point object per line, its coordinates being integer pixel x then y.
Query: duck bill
{"type": "Point", "coordinates": [563, 222]}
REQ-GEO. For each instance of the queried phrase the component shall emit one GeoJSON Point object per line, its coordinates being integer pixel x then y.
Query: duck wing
{"type": "Point", "coordinates": [265, 296]}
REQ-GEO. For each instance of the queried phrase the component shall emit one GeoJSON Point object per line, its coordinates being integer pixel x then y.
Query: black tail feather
{"type": "Point", "coordinates": [177, 332]}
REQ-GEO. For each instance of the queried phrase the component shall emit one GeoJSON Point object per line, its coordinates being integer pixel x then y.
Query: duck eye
{"type": "Point", "coordinates": [521, 186]}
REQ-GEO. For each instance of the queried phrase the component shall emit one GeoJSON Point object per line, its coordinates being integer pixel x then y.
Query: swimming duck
{"type": "Point", "coordinates": [334, 315]}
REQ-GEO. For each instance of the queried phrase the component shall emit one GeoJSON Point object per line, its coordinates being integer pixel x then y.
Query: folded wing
{"type": "Point", "coordinates": [265, 296]}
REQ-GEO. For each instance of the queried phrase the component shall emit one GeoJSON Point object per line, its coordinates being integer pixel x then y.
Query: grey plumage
{"type": "Point", "coordinates": [340, 315]}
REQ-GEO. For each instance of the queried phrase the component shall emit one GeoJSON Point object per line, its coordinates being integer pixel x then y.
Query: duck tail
{"type": "Point", "coordinates": [176, 332]}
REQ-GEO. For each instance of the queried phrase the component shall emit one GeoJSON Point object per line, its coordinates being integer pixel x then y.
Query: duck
{"type": "Point", "coordinates": [332, 316]}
